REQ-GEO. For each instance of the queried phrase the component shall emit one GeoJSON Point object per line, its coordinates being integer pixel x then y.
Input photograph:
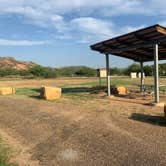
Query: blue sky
{"type": "Point", "coordinates": [58, 32]}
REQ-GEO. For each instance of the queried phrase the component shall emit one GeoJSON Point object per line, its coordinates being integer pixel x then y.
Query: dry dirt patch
{"type": "Point", "coordinates": [97, 132]}
{"type": "Point", "coordinates": [82, 128]}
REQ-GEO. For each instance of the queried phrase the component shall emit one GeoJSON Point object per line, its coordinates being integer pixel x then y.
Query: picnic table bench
{"type": "Point", "coordinates": [148, 88]}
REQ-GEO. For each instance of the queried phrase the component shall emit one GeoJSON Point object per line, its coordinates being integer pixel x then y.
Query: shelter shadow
{"type": "Point", "coordinates": [77, 90]}
{"type": "Point", "coordinates": [154, 120]}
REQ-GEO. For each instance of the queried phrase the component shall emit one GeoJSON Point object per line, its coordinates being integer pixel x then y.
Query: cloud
{"type": "Point", "coordinates": [91, 29]}
{"type": "Point", "coordinates": [33, 13]}
{"type": "Point", "coordinates": [128, 29]}
{"type": "Point", "coordinates": [56, 7]}
{"type": "Point", "coordinates": [93, 26]}
{"type": "Point", "coordinates": [74, 19]}
{"type": "Point", "coordinates": [53, 12]}
{"type": "Point", "coordinates": [6, 42]}
{"type": "Point", "coordinates": [163, 23]}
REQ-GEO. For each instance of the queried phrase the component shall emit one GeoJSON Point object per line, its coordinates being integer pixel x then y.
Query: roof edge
{"type": "Point", "coordinates": [156, 26]}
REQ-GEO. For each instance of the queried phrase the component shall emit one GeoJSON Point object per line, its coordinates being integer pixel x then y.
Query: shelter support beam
{"type": "Point", "coordinates": [156, 74]}
{"type": "Point", "coordinates": [142, 77]}
{"type": "Point", "coordinates": [108, 75]}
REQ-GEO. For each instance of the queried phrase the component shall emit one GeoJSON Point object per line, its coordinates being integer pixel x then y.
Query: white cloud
{"type": "Point", "coordinates": [128, 29]}
{"type": "Point", "coordinates": [81, 25]}
{"type": "Point", "coordinates": [163, 23]}
{"type": "Point", "coordinates": [6, 42]}
{"type": "Point", "coordinates": [92, 29]}
{"type": "Point", "coordinates": [52, 12]}
{"type": "Point", "coordinates": [93, 26]}
{"type": "Point", "coordinates": [33, 13]}
{"type": "Point", "coordinates": [56, 7]}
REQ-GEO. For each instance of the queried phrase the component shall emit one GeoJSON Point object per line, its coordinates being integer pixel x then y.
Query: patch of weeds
{"type": "Point", "coordinates": [113, 81]}
{"type": "Point", "coordinates": [94, 83]}
{"type": "Point", "coordinates": [28, 92]}
{"type": "Point", "coordinates": [5, 153]}
{"type": "Point", "coordinates": [79, 96]}
{"type": "Point", "coordinates": [163, 89]}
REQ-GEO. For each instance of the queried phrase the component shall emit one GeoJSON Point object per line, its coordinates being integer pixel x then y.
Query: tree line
{"type": "Point", "coordinates": [81, 71]}
{"type": "Point", "coordinates": [48, 72]}
{"type": "Point", "coordinates": [148, 69]}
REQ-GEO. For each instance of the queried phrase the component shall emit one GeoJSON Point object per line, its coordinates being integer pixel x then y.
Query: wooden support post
{"type": "Point", "coordinates": [156, 74]}
{"type": "Point", "coordinates": [142, 77]}
{"type": "Point", "coordinates": [108, 75]}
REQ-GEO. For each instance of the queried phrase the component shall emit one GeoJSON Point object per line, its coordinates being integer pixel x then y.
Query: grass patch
{"type": "Point", "coordinates": [27, 92]}
{"type": "Point", "coordinates": [5, 153]}
{"type": "Point", "coordinates": [79, 96]}
{"type": "Point", "coordinates": [163, 89]}
{"type": "Point", "coordinates": [113, 81]}
{"type": "Point", "coordinates": [76, 93]}
{"type": "Point", "coordinates": [84, 90]}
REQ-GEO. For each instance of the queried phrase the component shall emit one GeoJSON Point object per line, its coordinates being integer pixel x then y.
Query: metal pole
{"type": "Point", "coordinates": [156, 74]}
{"type": "Point", "coordinates": [142, 77]}
{"type": "Point", "coordinates": [108, 75]}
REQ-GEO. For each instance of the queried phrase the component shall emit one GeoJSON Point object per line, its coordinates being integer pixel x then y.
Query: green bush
{"type": "Point", "coordinates": [132, 68]}
{"type": "Point", "coordinates": [82, 71]}
{"type": "Point", "coordinates": [148, 70]}
{"type": "Point", "coordinates": [85, 71]}
{"type": "Point", "coordinates": [76, 71]}
{"type": "Point", "coordinates": [45, 72]}
{"type": "Point", "coordinates": [117, 71]}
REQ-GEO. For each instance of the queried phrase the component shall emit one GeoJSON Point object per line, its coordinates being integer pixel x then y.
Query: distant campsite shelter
{"type": "Point", "coordinates": [148, 44]}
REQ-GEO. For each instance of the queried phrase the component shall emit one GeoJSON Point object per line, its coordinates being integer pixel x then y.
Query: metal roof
{"type": "Point", "coordinates": [137, 45]}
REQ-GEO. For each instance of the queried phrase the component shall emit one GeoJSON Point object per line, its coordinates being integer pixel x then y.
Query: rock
{"type": "Point", "coordinates": [7, 90]}
{"type": "Point", "coordinates": [50, 93]}
{"type": "Point", "coordinates": [120, 90]}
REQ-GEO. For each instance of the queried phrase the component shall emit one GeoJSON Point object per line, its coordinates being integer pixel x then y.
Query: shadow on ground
{"type": "Point", "coordinates": [76, 90]}
{"type": "Point", "coordinates": [126, 99]}
{"type": "Point", "coordinates": [151, 119]}
{"type": "Point", "coordinates": [80, 90]}
{"type": "Point", "coordinates": [37, 90]}
{"type": "Point", "coordinates": [36, 93]}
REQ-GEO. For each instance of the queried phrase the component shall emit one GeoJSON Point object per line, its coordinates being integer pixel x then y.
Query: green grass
{"type": "Point", "coordinates": [5, 153]}
{"type": "Point", "coordinates": [113, 81]}
{"type": "Point", "coordinates": [83, 91]}
{"type": "Point", "coordinates": [163, 89]}
{"type": "Point", "coordinates": [27, 92]}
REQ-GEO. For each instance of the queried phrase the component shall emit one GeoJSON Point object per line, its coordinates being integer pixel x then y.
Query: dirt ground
{"type": "Point", "coordinates": [97, 132]}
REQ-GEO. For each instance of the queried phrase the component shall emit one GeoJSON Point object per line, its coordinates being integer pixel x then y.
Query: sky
{"type": "Point", "coordinates": [58, 33]}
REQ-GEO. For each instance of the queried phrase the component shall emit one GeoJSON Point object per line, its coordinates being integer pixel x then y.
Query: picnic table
{"type": "Point", "coordinates": [148, 88]}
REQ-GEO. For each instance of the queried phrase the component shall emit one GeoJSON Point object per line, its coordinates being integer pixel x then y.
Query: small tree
{"type": "Point", "coordinates": [148, 70]}
{"type": "Point", "coordinates": [133, 68]}
{"type": "Point", "coordinates": [37, 70]}
{"type": "Point", "coordinates": [86, 71]}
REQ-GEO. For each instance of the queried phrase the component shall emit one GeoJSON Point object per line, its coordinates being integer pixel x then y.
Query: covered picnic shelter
{"type": "Point", "coordinates": [143, 45]}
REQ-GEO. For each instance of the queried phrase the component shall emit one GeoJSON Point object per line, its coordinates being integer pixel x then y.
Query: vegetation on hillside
{"type": "Point", "coordinates": [77, 71]}
{"type": "Point", "coordinates": [48, 72]}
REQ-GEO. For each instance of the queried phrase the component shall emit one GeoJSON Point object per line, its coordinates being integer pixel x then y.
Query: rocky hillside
{"type": "Point", "coordinates": [12, 63]}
